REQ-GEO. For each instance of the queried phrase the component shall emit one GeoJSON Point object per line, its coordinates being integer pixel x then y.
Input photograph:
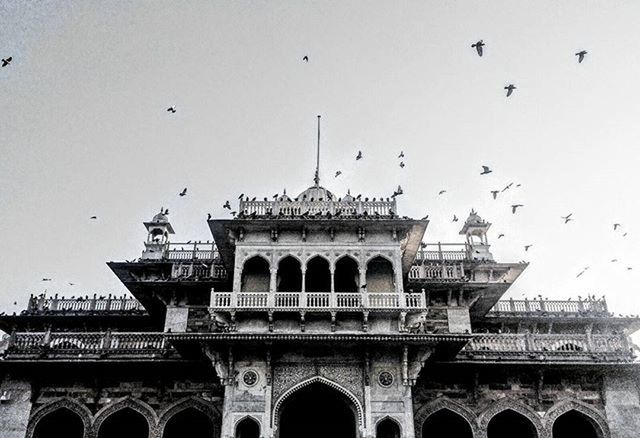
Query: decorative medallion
{"type": "Point", "coordinates": [385, 379]}
{"type": "Point", "coordinates": [250, 378]}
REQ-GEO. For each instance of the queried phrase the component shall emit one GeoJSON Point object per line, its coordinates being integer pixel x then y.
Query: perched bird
{"type": "Point", "coordinates": [455, 218]}
{"type": "Point", "coordinates": [510, 89]}
{"type": "Point", "coordinates": [401, 154]}
{"type": "Point", "coordinates": [507, 187]}
{"type": "Point", "coordinates": [166, 212]}
{"type": "Point", "coordinates": [183, 192]}
{"type": "Point", "coordinates": [241, 196]}
{"type": "Point", "coordinates": [359, 156]}
{"type": "Point", "coordinates": [72, 284]}
{"type": "Point", "coordinates": [495, 193]}
{"type": "Point", "coordinates": [227, 205]}
{"type": "Point", "coordinates": [399, 191]}
{"type": "Point", "coordinates": [46, 279]}
{"type": "Point", "coordinates": [567, 218]}
{"type": "Point", "coordinates": [305, 58]}
{"type": "Point", "coordinates": [478, 46]}
{"type": "Point", "coordinates": [526, 247]}
{"type": "Point", "coordinates": [616, 226]}
{"type": "Point", "coordinates": [514, 207]}
{"type": "Point", "coordinates": [442, 192]}
{"type": "Point", "coordinates": [7, 61]}
{"type": "Point", "coordinates": [580, 55]}
{"type": "Point", "coordinates": [338, 173]}
{"type": "Point", "coordinates": [500, 236]}
{"type": "Point", "coordinates": [402, 164]}
{"type": "Point", "coordinates": [233, 213]}
{"type": "Point", "coordinates": [93, 217]}
{"type": "Point", "coordinates": [208, 216]}
{"type": "Point", "coordinates": [485, 170]}
{"type": "Point", "coordinates": [172, 109]}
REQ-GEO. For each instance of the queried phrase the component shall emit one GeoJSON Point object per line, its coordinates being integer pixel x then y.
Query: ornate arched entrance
{"type": "Point", "coordinates": [574, 423]}
{"type": "Point", "coordinates": [317, 410]}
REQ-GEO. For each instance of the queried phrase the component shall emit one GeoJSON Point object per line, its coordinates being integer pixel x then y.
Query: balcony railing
{"type": "Point", "coordinates": [87, 345]}
{"type": "Point", "coordinates": [109, 304]}
{"type": "Point", "coordinates": [192, 251]}
{"type": "Point", "coordinates": [318, 208]}
{"type": "Point", "coordinates": [449, 252]}
{"type": "Point", "coordinates": [345, 301]}
{"type": "Point", "coordinates": [437, 272]}
{"type": "Point", "coordinates": [199, 269]}
{"type": "Point", "coordinates": [548, 347]}
{"type": "Point", "coordinates": [526, 307]}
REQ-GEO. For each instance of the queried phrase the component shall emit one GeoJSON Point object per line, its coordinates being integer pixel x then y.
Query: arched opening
{"type": "Point", "coordinates": [61, 422]}
{"type": "Point", "coordinates": [445, 424]}
{"type": "Point", "coordinates": [317, 411]}
{"type": "Point", "coordinates": [318, 275]}
{"type": "Point", "coordinates": [255, 275]}
{"type": "Point", "coordinates": [380, 275]}
{"type": "Point", "coordinates": [509, 424]}
{"type": "Point", "coordinates": [248, 428]}
{"type": "Point", "coordinates": [289, 275]}
{"type": "Point", "coordinates": [191, 423]}
{"type": "Point", "coordinates": [347, 276]}
{"type": "Point", "coordinates": [125, 423]}
{"type": "Point", "coordinates": [387, 428]}
{"type": "Point", "coordinates": [575, 424]}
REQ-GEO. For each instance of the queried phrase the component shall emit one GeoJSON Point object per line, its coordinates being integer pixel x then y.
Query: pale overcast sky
{"type": "Point", "coordinates": [84, 131]}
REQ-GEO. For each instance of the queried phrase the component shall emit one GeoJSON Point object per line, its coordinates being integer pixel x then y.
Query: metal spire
{"type": "Point", "coordinates": [316, 178]}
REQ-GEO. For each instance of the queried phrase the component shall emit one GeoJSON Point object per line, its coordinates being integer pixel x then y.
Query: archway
{"type": "Point", "coordinates": [248, 428]}
{"type": "Point", "coordinates": [318, 275]}
{"type": "Point", "coordinates": [380, 275]}
{"type": "Point", "coordinates": [388, 428]}
{"type": "Point", "coordinates": [255, 275]}
{"type": "Point", "coordinates": [317, 411]}
{"type": "Point", "coordinates": [575, 424]}
{"type": "Point", "coordinates": [509, 424]}
{"type": "Point", "coordinates": [125, 423]}
{"type": "Point", "coordinates": [444, 424]}
{"type": "Point", "coordinates": [191, 423]}
{"type": "Point", "coordinates": [289, 275]}
{"type": "Point", "coordinates": [61, 422]}
{"type": "Point", "coordinates": [347, 276]}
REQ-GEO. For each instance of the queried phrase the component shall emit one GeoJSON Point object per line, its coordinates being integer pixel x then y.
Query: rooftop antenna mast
{"type": "Point", "coordinates": [316, 178]}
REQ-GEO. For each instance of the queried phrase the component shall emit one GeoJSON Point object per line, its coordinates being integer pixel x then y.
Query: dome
{"type": "Point", "coordinates": [160, 218]}
{"type": "Point", "coordinates": [315, 193]}
{"type": "Point", "coordinates": [348, 197]}
{"type": "Point", "coordinates": [284, 197]}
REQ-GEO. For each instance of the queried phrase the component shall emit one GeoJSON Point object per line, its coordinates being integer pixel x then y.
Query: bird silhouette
{"type": "Point", "coordinates": [629, 268]}
{"type": "Point", "coordinates": [93, 217]}
{"type": "Point", "coordinates": [183, 192]}
{"type": "Point", "coordinates": [7, 61]}
{"type": "Point", "coordinates": [172, 109]}
{"type": "Point", "coordinates": [500, 236]}
{"type": "Point", "coordinates": [241, 196]}
{"type": "Point", "coordinates": [510, 89]}
{"type": "Point", "coordinates": [46, 279]}
{"type": "Point", "coordinates": [208, 216]}
{"type": "Point", "coordinates": [72, 284]}
{"type": "Point", "coordinates": [227, 205]}
{"type": "Point", "coordinates": [567, 218]}
{"type": "Point", "coordinates": [401, 154]}
{"type": "Point", "coordinates": [485, 170]}
{"type": "Point", "coordinates": [166, 212]}
{"type": "Point", "coordinates": [526, 247]}
{"type": "Point", "coordinates": [616, 226]}
{"type": "Point", "coordinates": [507, 187]}
{"type": "Point", "coordinates": [494, 193]}
{"type": "Point", "coordinates": [442, 192]}
{"type": "Point", "coordinates": [478, 46]}
{"type": "Point", "coordinates": [514, 207]}
{"type": "Point", "coordinates": [580, 55]}
{"type": "Point", "coordinates": [455, 218]}
{"type": "Point", "coordinates": [614, 260]}
{"type": "Point", "coordinates": [305, 58]}
{"type": "Point", "coordinates": [338, 173]}
{"type": "Point", "coordinates": [402, 164]}
{"type": "Point", "coordinates": [359, 156]}
{"type": "Point", "coordinates": [233, 213]}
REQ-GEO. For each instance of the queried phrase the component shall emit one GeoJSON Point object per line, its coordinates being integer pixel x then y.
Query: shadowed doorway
{"type": "Point", "coordinates": [317, 411]}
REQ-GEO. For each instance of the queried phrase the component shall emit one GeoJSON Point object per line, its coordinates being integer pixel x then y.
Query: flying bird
{"type": "Point", "coordinates": [46, 279]}
{"type": "Point", "coordinates": [495, 193]}
{"type": "Point", "coordinates": [629, 268]}
{"type": "Point", "coordinates": [7, 61]}
{"type": "Point", "coordinates": [359, 156]}
{"type": "Point", "coordinates": [510, 89]}
{"type": "Point", "coordinates": [514, 207]}
{"type": "Point", "coordinates": [338, 173]}
{"type": "Point", "coordinates": [580, 55]}
{"type": "Point", "coordinates": [455, 218]}
{"type": "Point", "coordinates": [401, 154]}
{"type": "Point", "coordinates": [478, 46]}
{"type": "Point", "coordinates": [183, 192]}
{"type": "Point", "coordinates": [172, 109]}
{"type": "Point", "coordinates": [500, 236]}
{"type": "Point", "coordinates": [507, 187]}
{"type": "Point", "coordinates": [526, 247]}
{"type": "Point", "coordinates": [567, 218]}
{"type": "Point", "coordinates": [305, 58]}
{"type": "Point", "coordinates": [485, 170]}
{"type": "Point", "coordinates": [441, 192]}
{"type": "Point", "coordinates": [72, 284]}
{"type": "Point", "coordinates": [581, 272]}
{"type": "Point", "coordinates": [93, 217]}
{"type": "Point", "coordinates": [614, 260]}
{"type": "Point", "coordinates": [227, 205]}
{"type": "Point", "coordinates": [402, 164]}
{"type": "Point", "coordinates": [616, 226]}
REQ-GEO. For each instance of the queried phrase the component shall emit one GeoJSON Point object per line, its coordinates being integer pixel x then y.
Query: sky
{"type": "Point", "coordinates": [84, 129]}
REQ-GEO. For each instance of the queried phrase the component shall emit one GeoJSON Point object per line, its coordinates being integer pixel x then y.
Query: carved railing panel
{"type": "Point", "coordinates": [43, 304]}
{"type": "Point", "coordinates": [557, 307]}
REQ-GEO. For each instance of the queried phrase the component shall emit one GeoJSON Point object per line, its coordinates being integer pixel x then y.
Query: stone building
{"type": "Point", "coordinates": [317, 316]}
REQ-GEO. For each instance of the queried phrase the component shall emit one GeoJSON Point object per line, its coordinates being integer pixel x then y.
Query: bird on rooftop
{"type": "Point", "coordinates": [166, 212]}
{"type": "Point", "coordinates": [275, 196]}
{"type": "Point", "coordinates": [402, 164]}
{"type": "Point", "coordinates": [580, 55]}
{"type": "Point", "coordinates": [455, 218]}
{"type": "Point", "coordinates": [442, 192]}
{"type": "Point", "coordinates": [425, 218]}
{"type": "Point", "coordinates": [514, 207]}
{"type": "Point", "coordinates": [501, 235]}
{"type": "Point", "coordinates": [172, 109]}
{"type": "Point", "coordinates": [494, 193]}
{"type": "Point", "coordinates": [485, 170]}
{"type": "Point", "coordinates": [338, 173]}
{"type": "Point", "coordinates": [7, 61]}
{"type": "Point", "coordinates": [183, 192]}
{"type": "Point", "coordinates": [233, 213]}
{"type": "Point", "coordinates": [478, 46]}
{"type": "Point", "coordinates": [305, 58]}
{"type": "Point", "coordinates": [567, 218]}
{"type": "Point", "coordinates": [253, 199]}
{"type": "Point", "coordinates": [401, 154]}
{"type": "Point", "coordinates": [227, 205]}
{"type": "Point", "coordinates": [359, 156]}
{"type": "Point", "coordinates": [510, 89]}
{"type": "Point", "coordinates": [616, 226]}
{"type": "Point", "coordinates": [241, 196]}
{"type": "Point", "coordinates": [526, 247]}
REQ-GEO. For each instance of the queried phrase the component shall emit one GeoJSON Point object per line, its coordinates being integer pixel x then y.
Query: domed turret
{"type": "Point", "coordinates": [315, 193]}
{"type": "Point", "coordinates": [158, 231]}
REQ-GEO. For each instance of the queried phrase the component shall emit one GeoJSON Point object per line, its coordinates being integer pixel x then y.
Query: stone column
{"type": "Point", "coordinates": [304, 278]}
{"type": "Point", "coordinates": [273, 280]}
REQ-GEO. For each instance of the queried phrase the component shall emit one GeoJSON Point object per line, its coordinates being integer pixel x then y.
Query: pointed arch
{"type": "Point", "coordinates": [318, 274]}
{"type": "Point", "coordinates": [126, 403]}
{"type": "Point", "coordinates": [317, 379]}
{"type": "Point", "coordinates": [197, 403]}
{"type": "Point", "coordinates": [62, 403]}
{"type": "Point", "coordinates": [595, 417]}
{"type": "Point", "coordinates": [247, 420]}
{"type": "Point", "coordinates": [387, 419]}
{"type": "Point", "coordinates": [289, 277]}
{"type": "Point", "coordinates": [444, 403]}
{"type": "Point", "coordinates": [380, 274]}
{"type": "Point", "coordinates": [346, 274]}
{"type": "Point", "coordinates": [514, 405]}
{"type": "Point", "coordinates": [256, 274]}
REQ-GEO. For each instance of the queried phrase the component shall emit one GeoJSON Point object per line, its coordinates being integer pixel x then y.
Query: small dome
{"type": "Point", "coordinates": [474, 218]}
{"type": "Point", "coordinates": [316, 193]}
{"type": "Point", "coordinates": [348, 197]}
{"type": "Point", "coordinates": [284, 197]}
{"type": "Point", "coordinates": [160, 218]}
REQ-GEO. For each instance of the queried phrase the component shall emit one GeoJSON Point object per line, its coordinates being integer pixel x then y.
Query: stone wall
{"type": "Point", "coordinates": [14, 411]}
{"type": "Point", "coordinates": [622, 398]}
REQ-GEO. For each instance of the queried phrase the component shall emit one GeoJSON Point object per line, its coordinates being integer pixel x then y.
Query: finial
{"type": "Point", "coordinates": [316, 178]}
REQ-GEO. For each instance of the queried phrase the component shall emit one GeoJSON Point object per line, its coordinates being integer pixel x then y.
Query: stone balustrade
{"type": "Point", "coordinates": [540, 306]}
{"type": "Point", "coordinates": [448, 252]}
{"type": "Point", "coordinates": [320, 301]}
{"type": "Point", "coordinates": [437, 272]}
{"type": "Point", "coordinates": [87, 345]}
{"type": "Point", "coordinates": [318, 208]}
{"type": "Point", "coordinates": [548, 347]}
{"type": "Point", "coordinates": [191, 251]}
{"type": "Point", "coordinates": [42, 304]}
